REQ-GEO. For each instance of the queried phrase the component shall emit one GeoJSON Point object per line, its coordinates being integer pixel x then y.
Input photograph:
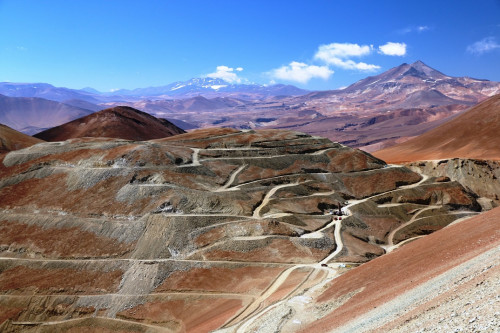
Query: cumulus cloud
{"type": "Point", "coordinates": [338, 54]}
{"type": "Point", "coordinates": [341, 50]}
{"type": "Point", "coordinates": [484, 45]}
{"type": "Point", "coordinates": [351, 64]}
{"type": "Point", "coordinates": [393, 49]}
{"type": "Point", "coordinates": [301, 72]}
{"type": "Point", "coordinates": [422, 28]}
{"type": "Point", "coordinates": [226, 73]}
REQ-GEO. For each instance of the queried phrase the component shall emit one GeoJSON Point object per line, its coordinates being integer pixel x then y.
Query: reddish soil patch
{"type": "Point", "coordinates": [248, 280]}
{"type": "Point", "coordinates": [51, 193]}
{"type": "Point", "coordinates": [94, 325]}
{"type": "Point", "coordinates": [391, 275]}
{"type": "Point", "coordinates": [7, 313]}
{"type": "Point", "coordinates": [33, 190]}
{"type": "Point", "coordinates": [292, 282]}
{"type": "Point", "coordinates": [89, 329]}
{"type": "Point", "coordinates": [63, 242]}
{"type": "Point", "coordinates": [365, 184]}
{"type": "Point", "coordinates": [22, 279]}
{"type": "Point", "coordinates": [351, 160]}
{"type": "Point", "coordinates": [189, 315]}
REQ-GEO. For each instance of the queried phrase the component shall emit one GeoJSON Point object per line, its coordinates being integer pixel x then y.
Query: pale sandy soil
{"type": "Point", "coordinates": [464, 299]}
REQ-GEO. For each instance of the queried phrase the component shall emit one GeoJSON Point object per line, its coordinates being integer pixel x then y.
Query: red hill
{"type": "Point", "coordinates": [12, 140]}
{"type": "Point", "coordinates": [474, 134]}
{"type": "Point", "coordinates": [119, 122]}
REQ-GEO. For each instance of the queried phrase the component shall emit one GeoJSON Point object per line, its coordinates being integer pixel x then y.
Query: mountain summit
{"type": "Point", "coordinates": [121, 122]}
{"type": "Point", "coordinates": [417, 73]}
{"type": "Point", "coordinates": [394, 88]}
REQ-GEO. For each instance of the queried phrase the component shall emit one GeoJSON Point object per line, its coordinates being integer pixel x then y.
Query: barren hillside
{"type": "Point", "coordinates": [207, 230]}
{"type": "Point", "coordinates": [473, 134]}
{"type": "Point", "coordinates": [11, 139]}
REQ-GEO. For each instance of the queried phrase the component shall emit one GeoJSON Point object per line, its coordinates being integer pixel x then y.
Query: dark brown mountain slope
{"type": "Point", "coordinates": [120, 122]}
{"type": "Point", "coordinates": [473, 134]}
{"type": "Point", "coordinates": [12, 140]}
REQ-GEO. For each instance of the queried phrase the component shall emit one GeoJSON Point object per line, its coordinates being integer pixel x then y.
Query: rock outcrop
{"type": "Point", "coordinates": [479, 176]}
{"type": "Point", "coordinates": [199, 231]}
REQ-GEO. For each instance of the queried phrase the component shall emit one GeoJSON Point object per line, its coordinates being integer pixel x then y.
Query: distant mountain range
{"type": "Point", "coordinates": [30, 115]}
{"type": "Point", "coordinates": [41, 106]}
{"type": "Point", "coordinates": [47, 91]}
{"type": "Point", "coordinates": [210, 87]}
{"type": "Point", "coordinates": [391, 107]}
{"type": "Point", "coordinates": [373, 113]}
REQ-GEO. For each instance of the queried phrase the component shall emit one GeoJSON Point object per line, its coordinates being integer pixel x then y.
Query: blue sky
{"type": "Point", "coordinates": [319, 45]}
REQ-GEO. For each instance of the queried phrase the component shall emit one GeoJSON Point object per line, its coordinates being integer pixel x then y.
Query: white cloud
{"type": "Point", "coordinates": [419, 29]}
{"type": "Point", "coordinates": [301, 72]}
{"type": "Point", "coordinates": [393, 49]}
{"type": "Point", "coordinates": [350, 64]}
{"type": "Point", "coordinates": [338, 54]}
{"type": "Point", "coordinates": [226, 73]}
{"type": "Point", "coordinates": [341, 50]}
{"type": "Point", "coordinates": [484, 45]}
